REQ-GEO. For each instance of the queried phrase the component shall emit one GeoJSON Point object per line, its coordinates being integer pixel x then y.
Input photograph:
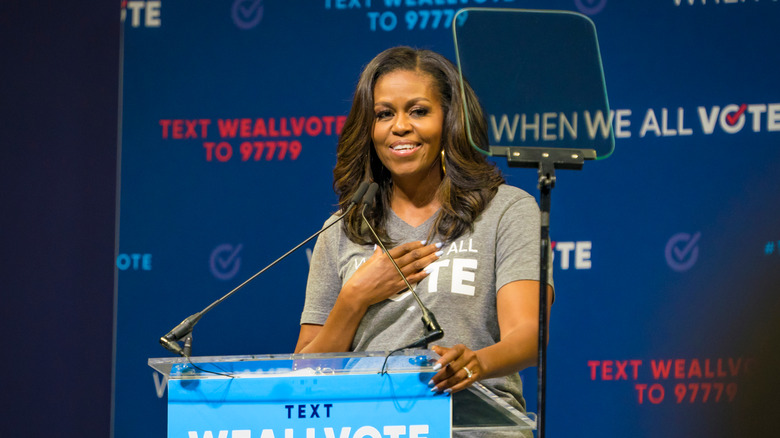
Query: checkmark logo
{"type": "Point", "coordinates": [225, 261]}
{"type": "Point", "coordinates": [247, 14]}
{"type": "Point", "coordinates": [682, 251]}
{"type": "Point", "coordinates": [590, 7]}
{"type": "Point", "coordinates": [733, 118]}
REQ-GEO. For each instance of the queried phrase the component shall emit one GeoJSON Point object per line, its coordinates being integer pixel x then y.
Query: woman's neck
{"type": "Point", "coordinates": [415, 201]}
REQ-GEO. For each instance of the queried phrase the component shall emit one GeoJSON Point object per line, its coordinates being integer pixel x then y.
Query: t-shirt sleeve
{"type": "Point", "coordinates": [323, 284]}
{"type": "Point", "coordinates": [517, 242]}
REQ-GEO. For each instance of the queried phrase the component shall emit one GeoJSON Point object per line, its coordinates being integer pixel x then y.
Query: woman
{"type": "Point", "coordinates": [469, 242]}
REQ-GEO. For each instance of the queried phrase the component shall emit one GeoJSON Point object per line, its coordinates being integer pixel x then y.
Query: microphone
{"type": "Point", "coordinates": [183, 331]}
{"type": "Point", "coordinates": [171, 340]}
{"type": "Point", "coordinates": [433, 330]}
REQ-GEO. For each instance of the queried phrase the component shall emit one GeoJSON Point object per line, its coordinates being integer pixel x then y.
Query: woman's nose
{"type": "Point", "coordinates": [401, 125]}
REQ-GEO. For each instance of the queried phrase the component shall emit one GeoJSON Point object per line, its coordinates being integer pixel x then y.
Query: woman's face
{"type": "Point", "coordinates": [408, 124]}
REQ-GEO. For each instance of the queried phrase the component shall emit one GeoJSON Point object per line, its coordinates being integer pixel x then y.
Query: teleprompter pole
{"type": "Point", "coordinates": [546, 160]}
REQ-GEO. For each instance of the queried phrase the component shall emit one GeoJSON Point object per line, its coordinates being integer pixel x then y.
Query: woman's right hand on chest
{"type": "Point", "coordinates": [377, 279]}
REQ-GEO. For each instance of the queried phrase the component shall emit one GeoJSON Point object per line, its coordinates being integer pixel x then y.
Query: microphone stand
{"type": "Point", "coordinates": [433, 331]}
{"type": "Point", "coordinates": [183, 331]}
{"type": "Point", "coordinates": [546, 160]}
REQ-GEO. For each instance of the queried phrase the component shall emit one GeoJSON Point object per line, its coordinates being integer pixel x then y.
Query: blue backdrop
{"type": "Point", "coordinates": [666, 253]}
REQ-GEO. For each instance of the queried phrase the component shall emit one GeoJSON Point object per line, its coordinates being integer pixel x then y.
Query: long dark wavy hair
{"type": "Point", "coordinates": [470, 181]}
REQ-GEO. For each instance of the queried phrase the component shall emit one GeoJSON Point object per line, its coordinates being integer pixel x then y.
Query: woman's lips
{"type": "Point", "coordinates": [404, 148]}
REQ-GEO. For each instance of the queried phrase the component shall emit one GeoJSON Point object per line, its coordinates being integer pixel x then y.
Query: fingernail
{"type": "Point", "coordinates": [430, 383]}
{"type": "Point", "coordinates": [436, 367]}
{"type": "Point", "coordinates": [439, 245]}
{"type": "Point", "coordinates": [428, 269]}
{"type": "Point", "coordinates": [448, 390]}
{"type": "Point", "coordinates": [375, 247]}
{"type": "Point", "coordinates": [439, 253]}
{"type": "Point", "coordinates": [423, 242]}
{"type": "Point", "coordinates": [434, 389]}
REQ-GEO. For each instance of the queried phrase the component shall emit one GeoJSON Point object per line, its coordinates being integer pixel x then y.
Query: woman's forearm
{"type": "Point", "coordinates": [339, 329]}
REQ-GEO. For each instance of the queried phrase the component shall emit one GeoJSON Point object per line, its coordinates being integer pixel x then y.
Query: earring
{"type": "Point", "coordinates": [443, 168]}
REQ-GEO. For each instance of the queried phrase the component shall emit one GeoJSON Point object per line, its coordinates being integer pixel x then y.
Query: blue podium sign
{"type": "Point", "coordinates": [323, 406]}
{"type": "Point", "coordinates": [311, 396]}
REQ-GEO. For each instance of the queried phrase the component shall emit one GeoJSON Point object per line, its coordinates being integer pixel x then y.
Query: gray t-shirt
{"type": "Point", "coordinates": [460, 291]}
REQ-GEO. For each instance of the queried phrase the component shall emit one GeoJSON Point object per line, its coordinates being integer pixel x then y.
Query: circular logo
{"type": "Point", "coordinates": [247, 14]}
{"type": "Point", "coordinates": [225, 261]}
{"type": "Point", "coordinates": [682, 251]}
{"type": "Point", "coordinates": [590, 7]}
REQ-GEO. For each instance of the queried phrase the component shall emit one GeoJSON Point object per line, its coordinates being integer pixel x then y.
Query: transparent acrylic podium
{"type": "Point", "coordinates": [334, 394]}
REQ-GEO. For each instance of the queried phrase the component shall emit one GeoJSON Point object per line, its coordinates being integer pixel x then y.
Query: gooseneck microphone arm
{"type": "Point", "coordinates": [433, 330]}
{"type": "Point", "coordinates": [184, 330]}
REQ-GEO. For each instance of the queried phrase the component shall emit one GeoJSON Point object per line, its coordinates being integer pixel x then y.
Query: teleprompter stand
{"type": "Point", "coordinates": [546, 160]}
{"type": "Point", "coordinates": [539, 77]}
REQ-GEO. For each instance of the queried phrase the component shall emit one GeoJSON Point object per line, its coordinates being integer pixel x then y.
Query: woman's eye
{"type": "Point", "coordinates": [383, 114]}
{"type": "Point", "coordinates": [419, 112]}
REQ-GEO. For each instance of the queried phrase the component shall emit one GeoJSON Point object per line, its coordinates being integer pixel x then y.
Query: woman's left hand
{"type": "Point", "coordinates": [459, 367]}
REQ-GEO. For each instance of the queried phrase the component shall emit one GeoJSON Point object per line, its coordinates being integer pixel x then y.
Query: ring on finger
{"type": "Point", "coordinates": [468, 372]}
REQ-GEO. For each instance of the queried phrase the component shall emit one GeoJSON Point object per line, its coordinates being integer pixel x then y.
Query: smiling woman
{"type": "Point", "coordinates": [439, 196]}
{"type": "Point", "coordinates": [470, 181]}
{"type": "Point", "coordinates": [407, 139]}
